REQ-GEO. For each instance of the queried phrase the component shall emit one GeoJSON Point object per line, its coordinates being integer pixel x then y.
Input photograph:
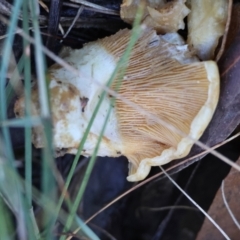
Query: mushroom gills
{"type": "Point", "coordinates": [167, 87]}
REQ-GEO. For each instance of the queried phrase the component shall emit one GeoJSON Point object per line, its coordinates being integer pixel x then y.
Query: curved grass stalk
{"type": "Point", "coordinates": [27, 93]}
{"type": "Point", "coordinates": [48, 181]}
{"type": "Point", "coordinates": [7, 48]}
{"type": "Point", "coordinates": [14, 81]}
{"type": "Point", "coordinates": [121, 67]}
{"type": "Point", "coordinates": [31, 224]}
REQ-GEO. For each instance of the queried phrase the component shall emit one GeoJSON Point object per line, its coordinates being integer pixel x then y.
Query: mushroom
{"type": "Point", "coordinates": [206, 24]}
{"type": "Point", "coordinates": [160, 15]}
{"type": "Point", "coordinates": [162, 77]}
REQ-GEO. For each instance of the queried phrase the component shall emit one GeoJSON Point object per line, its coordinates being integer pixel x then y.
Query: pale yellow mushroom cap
{"type": "Point", "coordinates": [206, 24]}
{"type": "Point", "coordinates": [163, 78]}
{"type": "Point", "coordinates": [163, 16]}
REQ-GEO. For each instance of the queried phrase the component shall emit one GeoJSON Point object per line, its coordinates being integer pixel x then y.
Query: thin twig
{"type": "Point", "coordinates": [168, 208]}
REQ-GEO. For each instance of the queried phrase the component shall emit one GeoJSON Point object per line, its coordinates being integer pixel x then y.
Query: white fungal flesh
{"type": "Point", "coordinates": [206, 24]}
{"type": "Point", "coordinates": [94, 64]}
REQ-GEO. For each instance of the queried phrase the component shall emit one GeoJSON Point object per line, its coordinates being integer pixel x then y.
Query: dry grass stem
{"type": "Point", "coordinates": [81, 8]}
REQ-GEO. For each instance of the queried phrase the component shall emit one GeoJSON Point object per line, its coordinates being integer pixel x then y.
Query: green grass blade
{"type": "Point", "coordinates": [121, 67]}
{"type": "Point", "coordinates": [14, 81]}
{"type": "Point", "coordinates": [70, 175]}
{"type": "Point", "coordinates": [23, 122]}
{"type": "Point", "coordinates": [12, 186]}
{"type": "Point", "coordinates": [48, 180]}
{"type": "Point", "coordinates": [86, 175]}
{"type": "Point", "coordinates": [3, 71]}
{"type": "Point", "coordinates": [6, 225]}
{"type": "Point", "coordinates": [88, 232]}
{"type": "Point", "coordinates": [27, 94]}
{"type": "Point", "coordinates": [40, 62]}
{"type": "Point", "coordinates": [10, 190]}
{"type": "Point", "coordinates": [31, 224]}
